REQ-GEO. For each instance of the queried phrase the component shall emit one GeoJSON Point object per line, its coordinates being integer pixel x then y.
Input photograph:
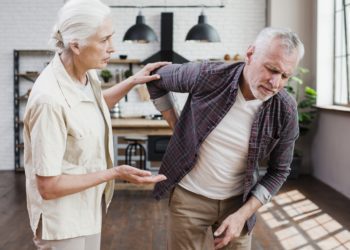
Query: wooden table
{"type": "Point", "coordinates": [139, 126]}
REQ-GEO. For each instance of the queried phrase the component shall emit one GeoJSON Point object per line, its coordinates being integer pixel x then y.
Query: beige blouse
{"type": "Point", "coordinates": [62, 136]}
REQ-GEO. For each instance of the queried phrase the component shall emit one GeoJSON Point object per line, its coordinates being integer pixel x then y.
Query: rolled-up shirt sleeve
{"type": "Point", "coordinates": [164, 102]}
{"type": "Point", "coordinates": [181, 78]}
{"type": "Point", "coordinates": [279, 163]}
{"type": "Point", "coordinates": [262, 194]}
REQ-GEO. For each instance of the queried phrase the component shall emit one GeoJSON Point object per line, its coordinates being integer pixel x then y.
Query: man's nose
{"type": "Point", "coordinates": [275, 80]}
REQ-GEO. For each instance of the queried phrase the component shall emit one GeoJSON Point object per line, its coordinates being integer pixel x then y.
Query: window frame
{"type": "Point", "coordinates": [341, 7]}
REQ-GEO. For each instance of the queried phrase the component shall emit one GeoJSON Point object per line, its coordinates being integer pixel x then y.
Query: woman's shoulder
{"type": "Point", "coordinates": [46, 79]}
{"type": "Point", "coordinates": [45, 89]}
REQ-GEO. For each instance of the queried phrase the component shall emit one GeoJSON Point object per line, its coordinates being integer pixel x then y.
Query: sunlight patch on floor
{"type": "Point", "coordinates": [298, 223]}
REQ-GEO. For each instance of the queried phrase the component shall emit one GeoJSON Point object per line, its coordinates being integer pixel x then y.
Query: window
{"type": "Point", "coordinates": [341, 53]}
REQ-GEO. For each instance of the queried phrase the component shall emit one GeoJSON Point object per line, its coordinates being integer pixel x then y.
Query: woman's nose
{"type": "Point", "coordinates": [110, 47]}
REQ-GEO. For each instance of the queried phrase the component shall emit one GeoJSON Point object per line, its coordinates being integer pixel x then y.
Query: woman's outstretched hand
{"type": "Point", "coordinates": [144, 76]}
{"type": "Point", "coordinates": [136, 176]}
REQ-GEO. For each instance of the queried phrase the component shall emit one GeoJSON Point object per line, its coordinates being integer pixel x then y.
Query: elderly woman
{"type": "Point", "coordinates": [68, 136]}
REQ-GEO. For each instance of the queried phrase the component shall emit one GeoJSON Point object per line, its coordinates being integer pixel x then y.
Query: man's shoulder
{"type": "Point", "coordinates": [204, 67]}
{"type": "Point", "coordinates": [220, 74]}
{"type": "Point", "coordinates": [287, 101]}
{"type": "Point", "coordinates": [213, 67]}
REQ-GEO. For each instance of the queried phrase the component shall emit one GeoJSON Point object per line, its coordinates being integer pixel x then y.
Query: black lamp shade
{"type": "Point", "coordinates": [203, 32]}
{"type": "Point", "coordinates": [140, 32]}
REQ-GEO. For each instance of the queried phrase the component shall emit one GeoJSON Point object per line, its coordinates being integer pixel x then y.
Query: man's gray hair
{"type": "Point", "coordinates": [77, 20]}
{"type": "Point", "coordinates": [290, 40]}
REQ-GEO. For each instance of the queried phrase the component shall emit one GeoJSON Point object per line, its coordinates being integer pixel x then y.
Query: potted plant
{"type": "Point", "coordinates": [306, 112]}
{"type": "Point", "coordinates": [106, 75]}
{"type": "Point", "coordinates": [127, 73]}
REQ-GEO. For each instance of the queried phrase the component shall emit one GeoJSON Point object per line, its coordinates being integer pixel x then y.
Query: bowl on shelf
{"type": "Point", "coordinates": [123, 57]}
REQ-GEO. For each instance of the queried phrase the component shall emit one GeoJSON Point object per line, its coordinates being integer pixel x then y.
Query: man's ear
{"type": "Point", "coordinates": [75, 47]}
{"type": "Point", "coordinates": [249, 54]}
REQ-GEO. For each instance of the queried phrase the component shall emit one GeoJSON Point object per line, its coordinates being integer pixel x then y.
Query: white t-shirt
{"type": "Point", "coordinates": [220, 170]}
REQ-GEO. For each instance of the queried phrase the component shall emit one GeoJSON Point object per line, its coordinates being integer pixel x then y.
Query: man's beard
{"type": "Point", "coordinates": [258, 95]}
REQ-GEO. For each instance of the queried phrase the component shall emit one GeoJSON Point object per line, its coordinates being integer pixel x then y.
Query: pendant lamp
{"type": "Point", "coordinates": [140, 32]}
{"type": "Point", "coordinates": [203, 32]}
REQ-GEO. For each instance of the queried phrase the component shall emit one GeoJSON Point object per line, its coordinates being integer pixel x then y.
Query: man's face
{"type": "Point", "coordinates": [269, 71]}
{"type": "Point", "coordinates": [96, 53]}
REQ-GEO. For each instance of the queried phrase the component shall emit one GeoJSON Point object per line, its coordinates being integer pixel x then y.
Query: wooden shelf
{"type": "Point", "coordinates": [29, 76]}
{"type": "Point", "coordinates": [124, 61]}
{"type": "Point", "coordinates": [23, 97]}
{"type": "Point", "coordinates": [20, 123]}
{"type": "Point", "coordinates": [36, 51]}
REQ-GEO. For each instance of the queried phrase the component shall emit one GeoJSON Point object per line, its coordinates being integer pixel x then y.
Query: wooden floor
{"type": "Point", "coordinates": [306, 214]}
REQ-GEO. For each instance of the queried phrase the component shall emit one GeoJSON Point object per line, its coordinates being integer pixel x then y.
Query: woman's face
{"type": "Point", "coordinates": [96, 53]}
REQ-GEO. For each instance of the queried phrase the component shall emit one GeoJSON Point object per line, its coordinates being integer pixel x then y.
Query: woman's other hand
{"type": "Point", "coordinates": [144, 75]}
{"type": "Point", "coordinates": [136, 176]}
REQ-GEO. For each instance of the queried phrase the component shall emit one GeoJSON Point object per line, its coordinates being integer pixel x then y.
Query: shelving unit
{"type": "Point", "coordinates": [130, 62]}
{"type": "Point", "coordinates": [115, 61]}
{"type": "Point", "coordinates": [20, 99]}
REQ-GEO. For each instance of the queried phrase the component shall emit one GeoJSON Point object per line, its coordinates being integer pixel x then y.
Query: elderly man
{"type": "Point", "coordinates": [235, 116]}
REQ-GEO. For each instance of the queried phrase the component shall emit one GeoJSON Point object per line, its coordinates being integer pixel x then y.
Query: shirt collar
{"type": "Point", "coordinates": [71, 93]}
{"type": "Point", "coordinates": [238, 75]}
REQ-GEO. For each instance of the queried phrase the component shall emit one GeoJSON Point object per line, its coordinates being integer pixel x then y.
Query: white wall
{"type": "Point", "coordinates": [330, 149]}
{"type": "Point", "coordinates": [299, 16]}
{"type": "Point", "coordinates": [27, 25]}
{"type": "Point", "coordinates": [23, 25]}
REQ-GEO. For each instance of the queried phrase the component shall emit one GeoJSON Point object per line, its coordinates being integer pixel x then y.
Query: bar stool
{"type": "Point", "coordinates": [135, 148]}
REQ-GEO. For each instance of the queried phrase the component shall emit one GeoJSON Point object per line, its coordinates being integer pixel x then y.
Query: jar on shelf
{"type": "Point", "coordinates": [118, 76]}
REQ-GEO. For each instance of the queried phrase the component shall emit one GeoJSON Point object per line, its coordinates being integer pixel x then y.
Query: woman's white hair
{"type": "Point", "coordinates": [76, 21]}
{"type": "Point", "coordinates": [289, 40]}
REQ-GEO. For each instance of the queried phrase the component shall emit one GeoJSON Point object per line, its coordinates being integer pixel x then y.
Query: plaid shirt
{"type": "Point", "coordinates": [212, 88]}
